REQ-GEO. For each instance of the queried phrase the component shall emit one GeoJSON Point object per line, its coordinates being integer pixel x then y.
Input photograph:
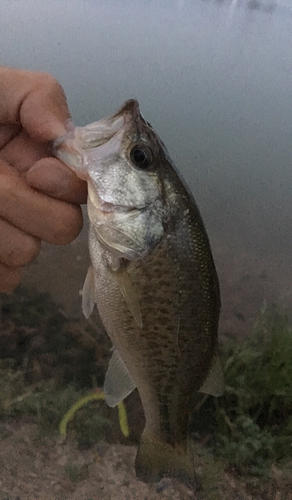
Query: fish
{"type": "Point", "coordinates": [153, 279]}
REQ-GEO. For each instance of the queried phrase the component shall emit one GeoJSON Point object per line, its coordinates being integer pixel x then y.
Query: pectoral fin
{"type": "Point", "coordinates": [88, 293]}
{"type": "Point", "coordinates": [129, 293]}
{"type": "Point", "coordinates": [118, 382]}
{"type": "Point", "coordinates": [214, 383]}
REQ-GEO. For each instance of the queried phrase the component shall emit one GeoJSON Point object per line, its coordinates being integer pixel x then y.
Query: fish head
{"type": "Point", "coordinates": [121, 159]}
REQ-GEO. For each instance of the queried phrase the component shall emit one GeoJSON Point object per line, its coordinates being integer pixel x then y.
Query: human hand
{"type": "Point", "coordinates": [39, 195]}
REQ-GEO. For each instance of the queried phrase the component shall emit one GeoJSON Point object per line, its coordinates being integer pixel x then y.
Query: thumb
{"type": "Point", "coordinates": [34, 100]}
{"type": "Point", "coordinates": [44, 111]}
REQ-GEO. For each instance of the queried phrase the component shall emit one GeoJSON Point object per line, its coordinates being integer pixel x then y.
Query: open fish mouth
{"type": "Point", "coordinates": [71, 147]}
{"type": "Point", "coordinates": [79, 141]}
{"type": "Point", "coordinates": [97, 133]}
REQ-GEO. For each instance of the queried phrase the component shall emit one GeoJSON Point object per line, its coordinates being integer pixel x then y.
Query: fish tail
{"type": "Point", "coordinates": [156, 459]}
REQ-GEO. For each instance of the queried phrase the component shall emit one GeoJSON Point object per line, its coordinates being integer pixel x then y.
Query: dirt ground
{"type": "Point", "coordinates": [37, 467]}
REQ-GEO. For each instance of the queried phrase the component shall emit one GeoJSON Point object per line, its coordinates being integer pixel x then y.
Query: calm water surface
{"type": "Point", "coordinates": [213, 78]}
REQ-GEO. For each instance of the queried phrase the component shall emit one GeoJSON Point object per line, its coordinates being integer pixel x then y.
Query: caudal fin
{"type": "Point", "coordinates": [156, 459]}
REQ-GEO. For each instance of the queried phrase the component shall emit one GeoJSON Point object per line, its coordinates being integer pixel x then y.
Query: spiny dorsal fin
{"type": "Point", "coordinates": [129, 293]}
{"type": "Point", "coordinates": [214, 383]}
{"type": "Point", "coordinates": [118, 383]}
{"type": "Point", "coordinates": [88, 293]}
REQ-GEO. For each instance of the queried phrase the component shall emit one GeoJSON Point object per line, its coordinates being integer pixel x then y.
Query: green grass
{"type": "Point", "coordinates": [250, 426]}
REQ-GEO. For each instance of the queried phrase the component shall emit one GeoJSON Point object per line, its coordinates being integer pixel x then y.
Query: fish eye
{"type": "Point", "coordinates": [141, 155]}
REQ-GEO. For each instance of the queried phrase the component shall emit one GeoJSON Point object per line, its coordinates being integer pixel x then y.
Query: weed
{"type": "Point", "coordinates": [209, 470]}
{"type": "Point", "coordinates": [250, 426]}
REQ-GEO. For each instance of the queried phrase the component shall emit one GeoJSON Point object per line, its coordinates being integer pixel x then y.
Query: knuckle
{"type": "Point", "coordinates": [48, 80]}
{"type": "Point", "coordinates": [52, 86]}
{"type": "Point", "coordinates": [8, 184]}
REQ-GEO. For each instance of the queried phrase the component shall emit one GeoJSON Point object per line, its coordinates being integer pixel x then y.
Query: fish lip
{"type": "Point", "coordinates": [129, 111]}
{"type": "Point", "coordinates": [130, 107]}
{"type": "Point", "coordinates": [109, 126]}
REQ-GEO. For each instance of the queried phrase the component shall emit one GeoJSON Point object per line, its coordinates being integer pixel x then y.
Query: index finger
{"type": "Point", "coordinates": [37, 214]}
{"type": "Point", "coordinates": [54, 178]}
{"type": "Point", "coordinates": [34, 100]}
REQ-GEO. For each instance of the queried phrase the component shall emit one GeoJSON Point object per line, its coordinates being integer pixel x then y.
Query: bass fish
{"type": "Point", "coordinates": [153, 279]}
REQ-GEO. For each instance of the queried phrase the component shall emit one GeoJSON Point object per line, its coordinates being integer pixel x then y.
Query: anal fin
{"type": "Point", "coordinates": [118, 382]}
{"type": "Point", "coordinates": [214, 383]}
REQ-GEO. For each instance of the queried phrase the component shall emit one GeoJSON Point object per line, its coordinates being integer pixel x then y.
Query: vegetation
{"type": "Point", "coordinates": [36, 335]}
{"type": "Point", "coordinates": [47, 363]}
{"type": "Point", "coordinates": [250, 427]}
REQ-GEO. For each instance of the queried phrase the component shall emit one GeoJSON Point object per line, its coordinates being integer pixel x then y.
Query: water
{"type": "Point", "coordinates": [214, 79]}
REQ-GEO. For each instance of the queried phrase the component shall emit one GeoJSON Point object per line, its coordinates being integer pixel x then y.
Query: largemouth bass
{"type": "Point", "coordinates": [153, 280]}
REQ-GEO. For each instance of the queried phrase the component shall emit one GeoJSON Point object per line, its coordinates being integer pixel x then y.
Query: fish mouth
{"type": "Point", "coordinates": [98, 133]}
{"type": "Point", "coordinates": [71, 147]}
{"type": "Point", "coordinates": [102, 131]}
